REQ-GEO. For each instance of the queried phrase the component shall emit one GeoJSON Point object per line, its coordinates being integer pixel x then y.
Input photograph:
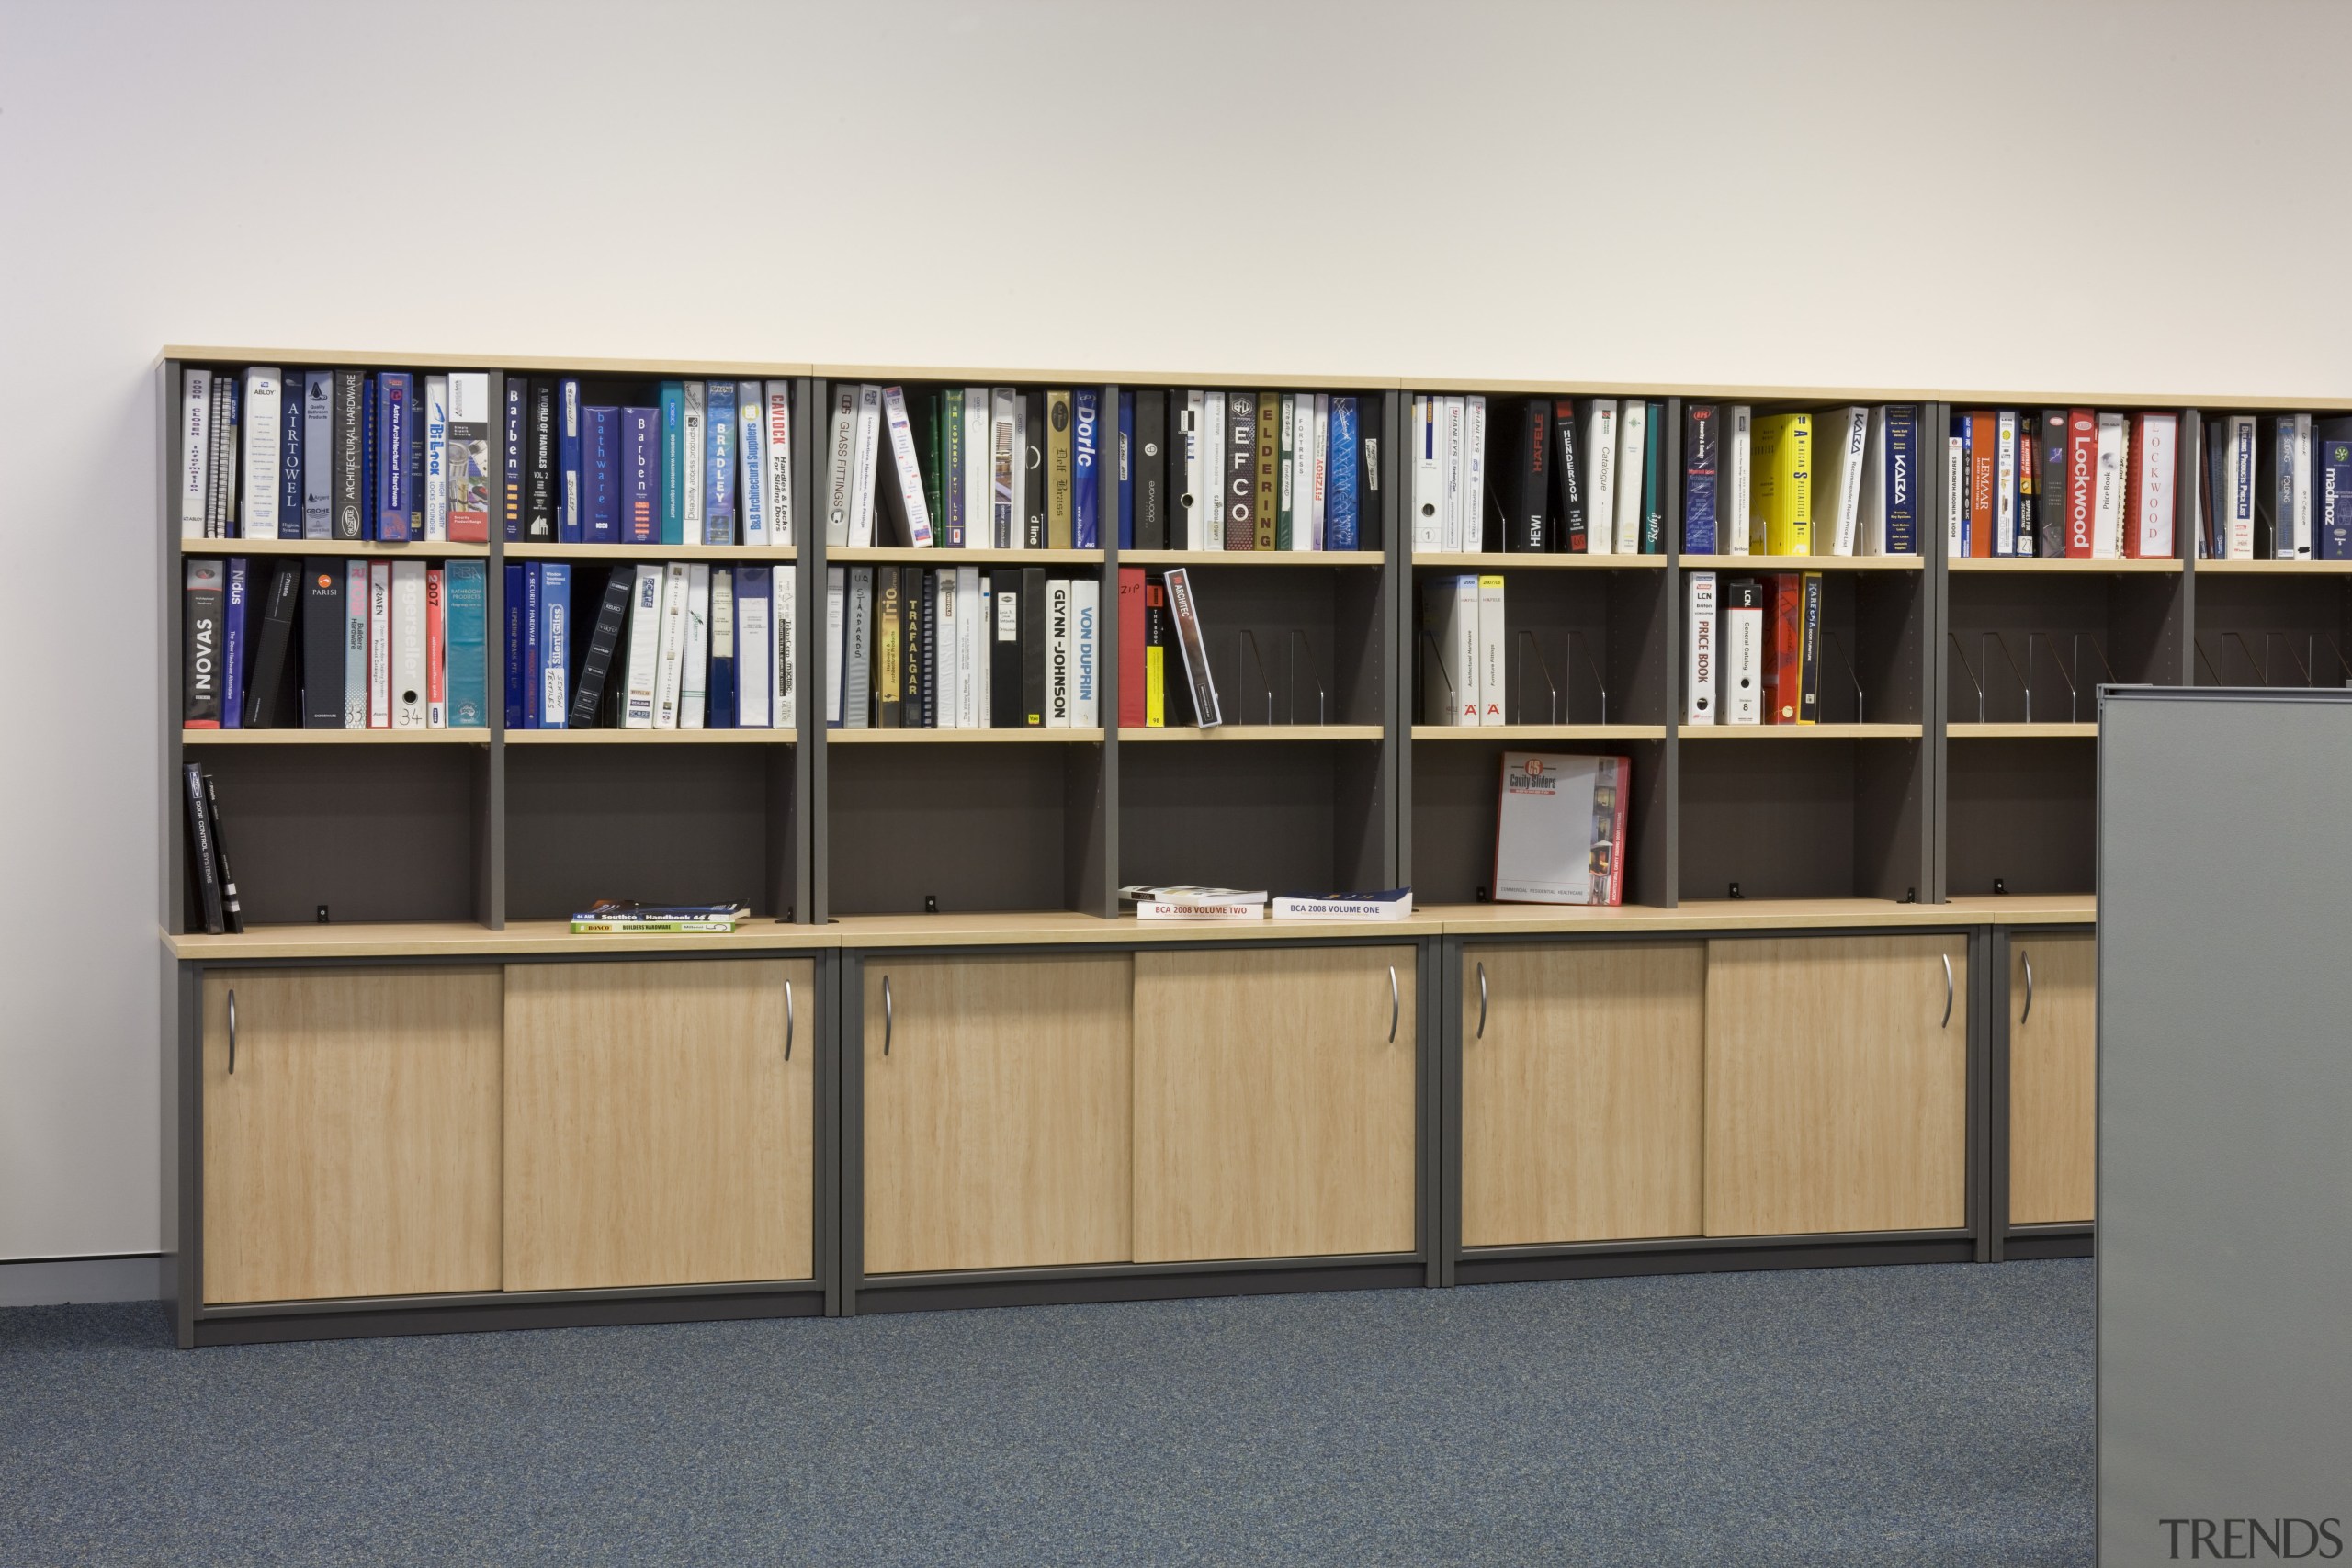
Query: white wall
{"type": "Point", "coordinates": [1649, 192]}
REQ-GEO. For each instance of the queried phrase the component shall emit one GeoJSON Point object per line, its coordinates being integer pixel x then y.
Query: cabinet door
{"type": "Point", "coordinates": [1581, 1100]}
{"type": "Point", "coordinates": [656, 1134]}
{"type": "Point", "coordinates": [998, 1111]}
{"type": "Point", "coordinates": [1837, 1086]}
{"type": "Point", "coordinates": [1273, 1109]}
{"type": "Point", "coordinates": [353, 1151]}
{"type": "Point", "coordinates": [2053, 1077]}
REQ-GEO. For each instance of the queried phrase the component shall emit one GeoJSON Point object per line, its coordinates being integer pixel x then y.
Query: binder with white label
{"type": "Point", "coordinates": [1699, 666]}
{"type": "Point", "coordinates": [1600, 476]}
{"type": "Point", "coordinates": [755, 650]}
{"type": "Point", "coordinates": [1086, 653]}
{"type": "Point", "coordinates": [858, 649]}
{"type": "Point", "coordinates": [1732, 499]}
{"type": "Point", "coordinates": [862, 458]}
{"type": "Point", "coordinates": [2107, 489]}
{"type": "Point", "coordinates": [1741, 692]}
{"type": "Point", "coordinates": [408, 645]}
{"type": "Point", "coordinates": [946, 635]}
{"type": "Point", "coordinates": [784, 653]}
{"type": "Point", "coordinates": [355, 645]}
{"type": "Point", "coordinates": [1450, 651]}
{"type": "Point", "coordinates": [1427, 496]}
{"type": "Point", "coordinates": [379, 645]}
{"type": "Point", "coordinates": [1493, 700]}
{"type": "Point", "coordinates": [262, 435]}
{"type": "Point", "coordinates": [668, 676]}
{"type": "Point", "coordinates": [195, 450]}
{"type": "Point", "coordinates": [971, 664]}
{"type": "Point", "coordinates": [1633, 439]}
{"type": "Point", "coordinates": [693, 678]}
{"type": "Point", "coordinates": [644, 647]}
{"type": "Point", "coordinates": [1838, 474]}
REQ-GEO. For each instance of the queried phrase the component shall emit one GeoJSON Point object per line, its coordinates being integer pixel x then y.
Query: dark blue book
{"type": "Point", "coordinates": [568, 501]}
{"type": "Point", "coordinates": [1342, 487]}
{"type": "Point", "coordinates": [232, 642]}
{"type": "Point", "coordinates": [289, 465]}
{"type": "Point", "coordinates": [599, 476]}
{"type": "Point", "coordinates": [1902, 475]}
{"type": "Point", "coordinates": [2332, 489]}
{"type": "Point", "coordinates": [554, 662]}
{"type": "Point", "coordinates": [718, 478]}
{"type": "Point", "coordinates": [1085, 441]}
{"type": "Point", "coordinates": [394, 409]}
{"type": "Point", "coordinates": [1957, 504]}
{"type": "Point", "coordinates": [1701, 442]}
{"type": "Point", "coordinates": [720, 708]}
{"type": "Point", "coordinates": [516, 663]}
{"type": "Point", "coordinates": [640, 476]}
{"type": "Point", "coordinates": [518, 395]}
{"type": "Point", "coordinates": [531, 684]}
{"type": "Point", "coordinates": [1126, 470]}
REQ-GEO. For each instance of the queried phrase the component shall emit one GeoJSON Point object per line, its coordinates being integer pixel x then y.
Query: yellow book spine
{"type": "Point", "coordinates": [1270, 457]}
{"type": "Point", "coordinates": [1155, 688]}
{"type": "Point", "coordinates": [1781, 488]}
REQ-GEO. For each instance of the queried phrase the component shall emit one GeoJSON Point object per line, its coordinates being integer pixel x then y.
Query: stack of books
{"type": "Point", "coordinates": [334, 644]}
{"type": "Point", "coordinates": [612, 916]}
{"type": "Point", "coordinates": [1184, 901]}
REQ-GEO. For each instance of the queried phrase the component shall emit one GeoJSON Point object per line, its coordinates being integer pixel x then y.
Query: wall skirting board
{"type": "Point", "coordinates": [53, 1281]}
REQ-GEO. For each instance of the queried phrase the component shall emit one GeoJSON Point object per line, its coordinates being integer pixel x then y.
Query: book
{"type": "Point", "coordinates": [348, 476]}
{"type": "Point", "coordinates": [1240, 480]}
{"type": "Point", "coordinates": [857, 650]}
{"type": "Point", "coordinates": [1810, 594]}
{"type": "Point", "coordinates": [1783, 647]}
{"type": "Point", "coordinates": [971, 473]}
{"type": "Point", "coordinates": [318, 456]}
{"type": "Point", "coordinates": [694, 462]}
{"type": "Point", "coordinates": [669, 674]}
{"type": "Point", "coordinates": [234, 603]}
{"type": "Point", "coordinates": [1344, 461]}
{"type": "Point", "coordinates": [1633, 445]}
{"type": "Point", "coordinates": [1838, 494]}
{"type": "Point", "coordinates": [944, 637]}
{"type": "Point", "coordinates": [232, 914]}
{"type": "Point", "coordinates": [1450, 648]}
{"type": "Point", "coordinates": [840, 454]}
{"type": "Point", "coordinates": [1427, 495]}
{"type": "Point", "coordinates": [754, 655]}
{"type": "Point", "coordinates": [2332, 489]}
{"type": "Point", "coordinates": [750, 459]}
{"type": "Point", "coordinates": [1004, 471]}
{"type": "Point", "coordinates": [293, 426]}
{"type": "Point", "coordinates": [637, 476]}
{"type": "Point", "coordinates": [903, 495]}
{"type": "Point", "coordinates": [1492, 690]}
{"type": "Point", "coordinates": [721, 430]}
{"type": "Point", "coordinates": [1699, 667]}
{"type": "Point", "coordinates": [408, 642]}
{"type": "Point", "coordinates": [466, 460]}
{"type": "Point", "coordinates": [1192, 645]}
{"type": "Point", "coordinates": [433, 420]}
{"type": "Point", "coordinates": [354, 646]}
{"type": "Point", "coordinates": [2148, 487]}
{"type": "Point", "coordinates": [1059, 473]}
{"type": "Point", "coordinates": [1701, 456]}
{"type": "Point", "coordinates": [890, 647]}
{"type": "Point", "coordinates": [2050, 487]}
{"type": "Point", "coordinates": [723, 708]}
{"type": "Point", "coordinates": [1007, 610]}
{"type": "Point", "coordinates": [1568, 504]}
{"type": "Point", "coordinates": [1389, 904]}
{"type": "Point", "coordinates": [195, 450]}
{"type": "Point", "coordinates": [1201, 911]}
{"type": "Point", "coordinates": [612, 916]}
{"type": "Point", "coordinates": [273, 643]}
{"type": "Point", "coordinates": [1894, 490]}
{"type": "Point", "coordinates": [227, 443]}
{"type": "Point", "coordinates": [1742, 696]}
{"type": "Point", "coordinates": [2107, 495]}
{"type": "Point", "coordinates": [1600, 476]}
{"type": "Point", "coordinates": [203, 632]}
{"type": "Point", "coordinates": [393, 413]}
{"type": "Point", "coordinates": [1654, 482]}
{"type": "Point", "coordinates": [1152, 503]}
{"type": "Point", "coordinates": [323, 642]}
{"type": "Point", "coordinates": [436, 653]}
{"type": "Point", "coordinates": [379, 640]}
{"type": "Point", "coordinates": [1085, 458]}
{"type": "Point", "coordinates": [694, 683]}
{"type": "Point", "coordinates": [261, 454]}
{"type": "Point", "coordinates": [1213, 470]}
{"type": "Point", "coordinates": [777, 447]}
{"type": "Point", "coordinates": [1133, 663]}
{"type": "Point", "coordinates": [669, 397]}
{"type": "Point", "coordinates": [2286, 488]}
{"type": "Point", "coordinates": [1560, 829]}
{"type": "Point", "coordinates": [1781, 486]}
{"type": "Point", "coordinates": [605, 632]}
{"type": "Point", "coordinates": [1527, 482]}
{"type": "Point", "coordinates": [568, 501]}
{"type": "Point", "coordinates": [600, 457]}
{"type": "Point", "coordinates": [642, 671]}
{"type": "Point", "coordinates": [1289, 513]}
{"type": "Point", "coordinates": [1085, 650]}
{"type": "Point", "coordinates": [204, 869]}
{"type": "Point", "coordinates": [2082, 482]}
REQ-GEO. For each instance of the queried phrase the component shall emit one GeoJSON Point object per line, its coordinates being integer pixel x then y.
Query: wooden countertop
{"type": "Point", "coordinates": [523, 939]}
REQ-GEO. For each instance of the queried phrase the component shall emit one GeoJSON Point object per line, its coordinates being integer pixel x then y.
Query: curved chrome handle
{"type": "Point", "coordinates": [1948, 993]}
{"type": "Point", "coordinates": [788, 1020]}
{"type": "Point", "coordinates": [2028, 957]}
{"type": "Point", "coordinates": [1482, 1003]}
{"type": "Point", "coordinates": [1395, 1004]}
{"type": "Point", "coordinates": [232, 1029]}
{"type": "Point", "coordinates": [889, 1019]}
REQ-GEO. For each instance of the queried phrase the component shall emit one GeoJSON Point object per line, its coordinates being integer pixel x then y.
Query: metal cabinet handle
{"type": "Point", "coordinates": [2029, 985]}
{"type": "Point", "coordinates": [1948, 993]}
{"type": "Point", "coordinates": [888, 1021]}
{"type": "Point", "coordinates": [233, 1031]}
{"type": "Point", "coordinates": [1482, 1003]}
{"type": "Point", "coordinates": [788, 1020]}
{"type": "Point", "coordinates": [1395, 1004]}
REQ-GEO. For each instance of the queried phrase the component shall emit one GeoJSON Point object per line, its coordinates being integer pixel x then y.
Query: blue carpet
{"type": "Point", "coordinates": [1936, 1415]}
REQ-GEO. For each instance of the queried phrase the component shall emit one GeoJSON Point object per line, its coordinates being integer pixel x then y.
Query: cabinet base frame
{"type": "Point", "coordinates": [2047, 1241]}
{"type": "Point", "coordinates": [934, 1292]}
{"type": "Point", "coordinates": [459, 1315]}
{"type": "Point", "coordinates": [1699, 1255]}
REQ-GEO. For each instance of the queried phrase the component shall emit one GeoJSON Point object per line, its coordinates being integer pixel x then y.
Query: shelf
{"type": "Point", "coordinates": [1251, 558]}
{"type": "Point", "coordinates": [1024, 737]}
{"type": "Point", "coordinates": [459, 939]}
{"type": "Point", "coordinates": [335, 737]}
{"type": "Point", "coordinates": [604, 737]}
{"type": "Point", "coordinates": [2273, 567]}
{"type": "Point", "coordinates": [2060, 566]}
{"type": "Point", "coordinates": [530, 365]}
{"type": "Point", "coordinates": [1802, 563]}
{"type": "Point", "coordinates": [2087, 729]}
{"type": "Point", "coordinates": [1539, 732]}
{"type": "Point", "coordinates": [845, 555]}
{"type": "Point", "coordinates": [1799, 732]}
{"type": "Point", "coordinates": [414, 548]}
{"type": "Point", "coordinates": [1494, 561]}
{"type": "Point", "coordinates": [1230, 732]}
{"type": "Point", "coordinates": [521, 551]}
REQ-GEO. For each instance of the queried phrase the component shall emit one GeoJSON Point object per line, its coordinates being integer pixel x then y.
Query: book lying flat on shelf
{"type": "Point", "coordinates": [1184, 901]}
{"type": "Point", "coordinates": [1560, 833]}
{"type": "Point", "coordinates": [1389, 904]}
{"type": "Point", "coordinates": [611, 915]}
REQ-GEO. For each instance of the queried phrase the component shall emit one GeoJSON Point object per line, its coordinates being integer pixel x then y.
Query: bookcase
{"type": "Point", "coordinates": [1927, 846]}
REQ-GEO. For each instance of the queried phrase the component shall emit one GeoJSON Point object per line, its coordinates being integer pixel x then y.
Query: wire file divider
{"type": "Point", "coordinates": [2027, 675]}
{"type": "Point", "coordinates": [2310, 665]}
{"type": "Point", "coordinates": [1298, 652]}
{"type": "Point", "coordinates": [1559, 694]}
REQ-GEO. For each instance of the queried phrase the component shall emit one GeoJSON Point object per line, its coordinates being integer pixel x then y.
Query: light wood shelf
{"type": "Point", "coordinates": [1802, 563]}
{"type": "Point", "coordinates": [990, 736]}
{"type": "Point", "coordinates": [2062, 567]}
{"type": "Point", "coordinates": [2086, 729]}
{"type": "Point", "coordinates": [600, 735]}
{"type": "Point", "coordinates": [753, 554]}
{"type": "Point", "coordinates": [2273, 568]}
{"type": "Point", "coordinates": [416, 549]}
{"type": "Point", "coordinates": [1539, 732]}
{"type": "Point", "coordinates": [1504, 561]}
{"type": "Point", "coordinates": [864, 554]}
{"type": "Point", "coordinates": [1244, 732]}
{"type": "Point", "coordinates": [1252, 557]}
{"type": "Point", "coordinates": [468, 736]}
{"type": "Point", "coordinates": [1799, 732]}
{"type": "Point", "coordinates": [530, 365]}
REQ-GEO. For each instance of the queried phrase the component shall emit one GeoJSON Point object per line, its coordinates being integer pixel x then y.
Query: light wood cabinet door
{"type": "Point", "coordinates": [1837, 1086]}
{"type": "Point", "coordinates": [1274, 1103]}
{"type": "Point", "coordinates": [1581, 1091]}
{"type": "Point", "coordinates": [657, 1131]}
{"type": "Point", "coordinates": [353, 1151]}
{"type": "Point", "coordinates": [2053, 1077]}
{"type": "Point", "coordinates": [998, 1111]}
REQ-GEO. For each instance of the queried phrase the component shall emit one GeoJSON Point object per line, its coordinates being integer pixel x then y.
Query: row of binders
{"type": "Point", "coordinates": [682, 645]}
{"type": "Point", "coordinates": [396, 456]}
{"type": "Point", "coordinates": [1592, 475]}
{"type": "Point", "coordinates": [328, 643]}
{"type": "Point", "coordinates": [1753, 654]}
